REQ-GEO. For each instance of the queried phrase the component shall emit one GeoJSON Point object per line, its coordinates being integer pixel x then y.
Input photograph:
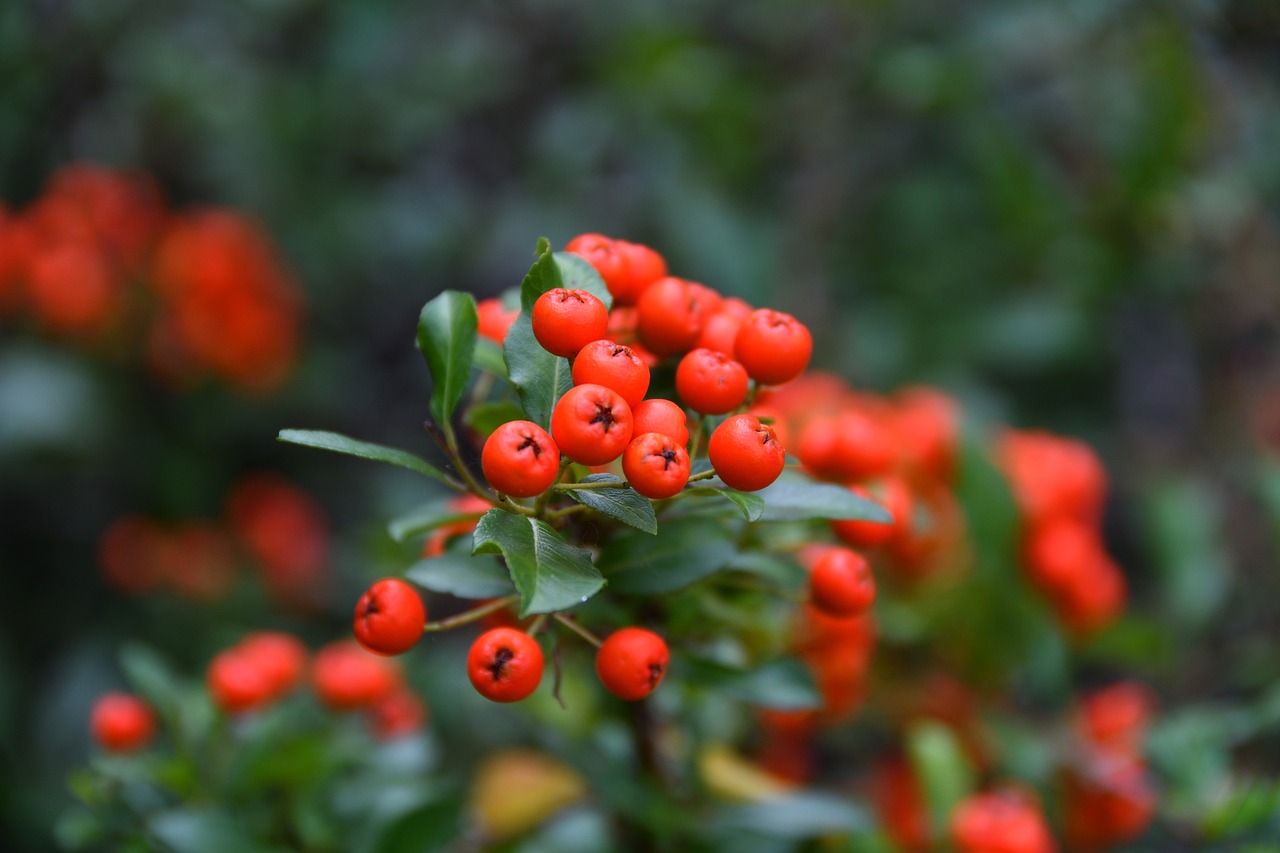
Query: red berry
{"type": "Point", "coordinates": [279, 656]}
{"type": "Point", "coordinates": [655, 465]}
{"type": "Point", "coordinates": [238, 682]}
{"type": "Point", "coordinates": [591, 424]}
{"type": "Point", "coordinates": [493, 320]}
{"type": "Point", "coordinates": [609, 257]}
{"type": "Point", "coordinates": [841, 583]}
{"type": "Point", "coordinates": [644, 267]}
{"type": "Point", "coordinates": [121, 722]}
{"type": "Point", "coordinates": [631, 663]}
{"type": "Point", "coordinates": [345, 676]}
{"type": "Point", "coordinates": [895, 497]}
{"type": "Point", "coordinates": [397, 713]}
{"type": "Point", "coordinates": [669, 316]}
{"type": "Point", "coordinates": [746, 453]}
{"type": "Point", "coordinates": [772, 346]}
{"type": "Point", "coordinates": [1004, 822]}
{"type": "Point", "coordinates": [519, 459]}
{"type": "Point", "coordinates": [719, 332]}
{"type": "Point", "coordinates": [505, 665]}
{"type": "Point", "coordinates": [389, 617]}
{"type": "Point", "coordinates": [614, 366]}
{"type": "Point", "coordinates": [711, 383]}
{"type": "Point", "coordinates": [564, 321]}
{"type": "Point", "coordinates": [1117, 715]}
{"type": "Point", "coordinates": [663, 416]}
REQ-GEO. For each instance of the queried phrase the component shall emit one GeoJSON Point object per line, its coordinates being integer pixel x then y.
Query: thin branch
{"type": "Point", "coordinates": [472, 615]}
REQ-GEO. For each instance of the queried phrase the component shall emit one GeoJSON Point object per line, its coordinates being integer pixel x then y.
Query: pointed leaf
{"type": "Point", "coordinates": [623, 503]}
{"type": "Point", "coordinates": [794, 497]}
{"type": "Point", "coordinates": [549, 573]}
{"type": "Point", "coordinates": [458, 573]}
{"type": "Point", "coordinates": [540, 377]}
{"type": "Point", "coordinates": [339, 443]}
{"type": "Point", "coordinates": [942, 768]}
{"type": "Point", "coordinates": [576, 273]}
{"type": "Point", "coordinates": [447, 338]}
{"type": "Point", "coordinates": [486, 417]}
{"type": "Point", "coordinates": [544, 275]}
{"type": "Point", "coordinates": [751, 505]}
{"type": "Point", "coordinates": [489, 357]}
{"type": "Point", "coordinates": [687, 551]}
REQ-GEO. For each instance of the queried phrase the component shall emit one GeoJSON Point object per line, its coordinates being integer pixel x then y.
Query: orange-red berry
{"type": "Point", "coordinates": [632, 662]}
{"type": "Point", "coordinates": [505, 665]}
{"type": "Point", "coordinates": [711, 383]}
{"type": "Point", "coordinates": [746, 453]}
{"type": "Point", "coordinates": [519, 459]}
{"type": "Point", "coordinates": [841, 583]}
{"type": "Point", "coordinates": [121, 722]}
{"type": "Point", "coordinates": [591, 424]}
{"type": "Point", "coordinates": [614, 366]}
{"type": "Point", "coordinates": [772, 346]}
{"type": "Point", "coordinates": [564, 320]}
{"type": "Point", "coordinates": [389, 617]}
{"type": "Point", "coordinates": [655, 465]}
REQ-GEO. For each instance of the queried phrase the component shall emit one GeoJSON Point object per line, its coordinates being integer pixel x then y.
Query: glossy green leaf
{"type": "Point", "coordinates": [576, 273]}
{"type": "Point", "coordinates": [447, 338]}
{"type": "Point", "coordinates": [785, 684]}
{"type": "Point", "coordinates": [339, 443]}
{"type": "Point", "coordinates": [549, 573]}
{"type": "Point", "coordinates": [795, 497]}
{"type": "Point", "coordinates": [944, 772]}
{"type": "Point", "coordinates": [460, 574]}
{"type": "Point", "coordinates": [751, 505]}
{"type": "Point", "coordinates": [540, 377]}
{"type": "Point", "coordinates": [687, 551]}
{"type": "Point", "coordinates": [149, 674]}
{"type": "Point", "coordinates": [488, 357]}
{"type": "Point", "coordinates": [487, 417]}
{"type": "Point", "coordinates": [623, 503]}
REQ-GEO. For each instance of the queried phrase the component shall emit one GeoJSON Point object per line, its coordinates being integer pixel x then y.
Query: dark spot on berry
{"type": "Point", "coordinates": [500, 660]}
{"type": "Point", "coordinates": [604, 415]}
{"type": "Point", "coordinates": [530, 441]}
{"type": "Point", "coordinates": [655, 674]}
{"type": "Point", "coordinates": [668, 458]}
{"type": "Point", "coordinates": [620, 350]}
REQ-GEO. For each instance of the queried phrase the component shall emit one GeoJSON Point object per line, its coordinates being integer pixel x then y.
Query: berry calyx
{"type": "Point", "coordinates": [389, 617]}
{"type": "Point", "coordinates": [505, 665]}
{"type": "Point", "coordinates": [121, 722]}
{"type": "Point", "coordinates": [564, 320]}
{"type": "Point", "coordinates": [655, 465]}
{"type": "Point", "coordinates": [519, 459]}
{"type": "Point", "coordinates": [632, 662]}
{"type": "Point", "coordinates": [746, 453]}
{"type": "Point", "coordinates": [591, 424]}
{"type": "Point", "coordinates": [841, 583]}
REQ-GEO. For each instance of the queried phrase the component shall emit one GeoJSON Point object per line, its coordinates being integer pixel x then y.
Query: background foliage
{"type": "Point", "coordinates": [1064, 213]}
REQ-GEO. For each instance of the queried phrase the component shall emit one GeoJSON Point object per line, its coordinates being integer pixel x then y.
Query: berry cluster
{"type": "Point", "coordinates": [98, 258]}
{"type": "Point", "coordinates": [1060, 486]}
{"type": "Point", "coordinates": [279, 529]}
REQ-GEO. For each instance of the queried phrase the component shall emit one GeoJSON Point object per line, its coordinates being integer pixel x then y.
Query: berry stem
{"type": "Point", "coordinates": [704, 475]}
{"type": "Point", "coordinates": [468, 616]}
{"type": "Point", "coordinates": [582, 487]}
{"type": "Point", "coordinates": [568, 510]}
{"type": "Point", "coordinates": [537, 625]}
{"type": "Point", "coordinates": [573, 626]}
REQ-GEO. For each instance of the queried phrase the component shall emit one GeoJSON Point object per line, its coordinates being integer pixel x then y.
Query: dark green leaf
{"type": "Point", "coordinates": [429, 827]}
{"type": "Point", "coordinates": [486, 417]}
{"type": "Point", "coordinates": [148, 673]}
{"type": "Point", "coordinates": [623, 503]}
{"type": "Point", "coordinates": [785, 684]}
{"type": "Point", "coordinates": [339, 443]}
{"type": "Point", "coordinates": [795, 497]}
{"type": "Point", "coordinates": [786, 573]}
{"type": "Point", "coordinates": [549, 573]}
{"type": "Point", "coordinates": [751, 505]}
{"type": "Point", "coordinates": [687, 551]}
{"type": "Point", "coordinates": [795, 816]}
{"type": "Point", "coordinates": [489, 357]}
{"type": "Point", "coordinates": [544, 275]}
{"type": "Point", "coordinates": [426, 518]}
{"type": "Point", "coordinates": [201, 830]}
{"type": "Point", "coordinates": [460, 574]}
{"type": "Point", "coordinates": [942, 768]}
{"type": "Point", "coordinates": [540, 377]}
{"type": "Point", "coordinates": [447, 338]}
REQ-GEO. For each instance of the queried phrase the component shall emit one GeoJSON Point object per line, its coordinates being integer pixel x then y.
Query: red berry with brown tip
{"type": "Point", "coordinates": [519, 459]}
{"type": "Point", "coordinates": [591, 424]}
{"type": "Point", "coordinates": [389, 617]}
{"type": "Point", "coordinates": [655, 465]}
{"type": "Point", "coordinates": [505, 665]}
{"type": "Point", "coordinates": [564, 320]}
{"type": "Point", "coordinates": [632, 662]}
{"type": "Point", "coordinates": [746, 453]}
{"type": "Point", "coordinates": [615, 366]}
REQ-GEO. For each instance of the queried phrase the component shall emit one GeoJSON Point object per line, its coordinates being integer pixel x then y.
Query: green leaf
{"type": "Point", "coordinates": [549, 573]}
{"type": "Point", "coordinates": [786, 573]}
{"type": "Point", "coordinates": [795, 816]}
{"type": "Point", "coordinates": [540, 377]}
{"type": "Point", "coordinates": [149, 674]}
{"type": "Point", "coordinates": [576, 273]}
{"type": "Point", "coordinates": [426, 518]}
{"type": "Point", "coordinates": [939, 763]}
{"type": "Point", "coordinates": [687, 551]}
{"type": "Point", "coordinates": [339, 443]}
{"type": "Point", "coordinates": [795, 497]}
{"type": "Point", "coordinates": [429, 827]}
{"type": "Point", "coordinates": [447, 338]}
{"type": "Point", "coordinates": [751, 505]}
{"type": "Point", "coordinates": [623, 503]}
{"type": "Point", "coordinates": [785, 684]}
{"type": "Point", "coordinates": [489, 357]}
{"type": "Point", "coordinates": [201, 830]}
{"type": "Point", "coordinates": [460, 574]}
{"type": "Point", "coordinates": [486, 417]}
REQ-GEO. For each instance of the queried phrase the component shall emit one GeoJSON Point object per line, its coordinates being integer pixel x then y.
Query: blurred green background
{"type": "Point", "coordinates": [1065, 213]}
